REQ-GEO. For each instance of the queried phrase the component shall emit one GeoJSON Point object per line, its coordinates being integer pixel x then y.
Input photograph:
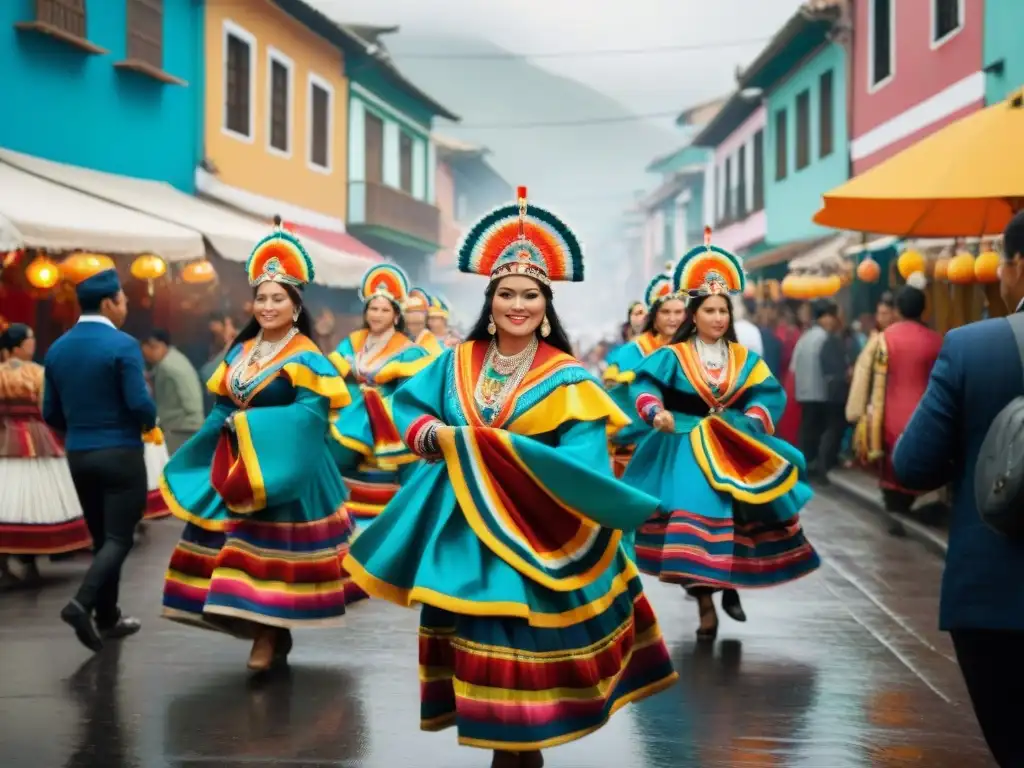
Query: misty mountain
{"type": "Point", "coordinates": [586, 173]}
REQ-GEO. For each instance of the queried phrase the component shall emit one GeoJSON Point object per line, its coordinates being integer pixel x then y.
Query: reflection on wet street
{"type": "Point", "coordinates": [844, 668]}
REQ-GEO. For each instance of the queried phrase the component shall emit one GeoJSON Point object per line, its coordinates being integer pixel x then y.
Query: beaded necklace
{"type": "Point", "coordinates": [500, 376]}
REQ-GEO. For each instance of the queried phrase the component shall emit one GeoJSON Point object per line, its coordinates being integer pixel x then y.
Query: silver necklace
{"type": "Point", "coordinates": [500, 377]}
{"type": "Point", "coordinates": [370, 347]}
{"type": "Point", "coordinates": [714, 357]}
{"type": "Point", "coordinates": [248, 367]}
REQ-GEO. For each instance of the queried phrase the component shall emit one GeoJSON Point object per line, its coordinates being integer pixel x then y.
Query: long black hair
{"type": "Point", "coordinates": [399, 326]}
{"type": "Point", "coordinates": [304, 324]}
{"type": "Point", "coordinates": [557, 338]}
{"type": "Point", "coordinates": [652, 313]}
{"type": "Point", "coordinates": [689, 327]}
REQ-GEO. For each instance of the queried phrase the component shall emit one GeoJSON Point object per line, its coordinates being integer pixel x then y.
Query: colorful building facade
{"type": "Point", "coordinates": [276, 122]}
{"type": "Point", "coordinates": [392, 204]}
{"type": "Point", "coordinates": [913, 72]}
{"type": "Point", "coordinates": [1003, 53]}
{"type": "Point", "coordinates": [113, 86]}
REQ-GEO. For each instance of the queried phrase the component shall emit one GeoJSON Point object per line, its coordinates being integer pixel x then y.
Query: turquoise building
{"type": "Point", "coordinates": [116, 86]}
{"type": "Point", "coordinates": [802, 75]}
{"type": "Point", "coordinates": [676, 206]}
{"type": "Point", "coordinates": [392, 162]}
{"type": "Point", "coordinates": [1003, 54]}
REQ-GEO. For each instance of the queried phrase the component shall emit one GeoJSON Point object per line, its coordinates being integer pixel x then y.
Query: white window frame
{"type": "Point", "coordinates": [274, 55]}
{"type": "Point", "coordinates": [873, 87]}
{"type": "Point", "coordinates": [314, 79]}
{"type": "Point", "coordinates": [231, 29]}
{"type": "Point", "coordinates": [938, 43]}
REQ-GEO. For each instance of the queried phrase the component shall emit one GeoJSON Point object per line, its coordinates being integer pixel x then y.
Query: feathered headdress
{"type": "Point", "coordinates": [418, 301]}
{"type": "Point", "coordinates": [438, 307]}
{"type": "Point", "coordinates": [660, 288]}
{"type": "Point", "coordinates": [280, 258]}
{"type": "Point", "coordinates": [708, 270]}
{"type": "Point", "coordinates": [522, 239]}
{"type": "Point", "coordinates": [387, 280]}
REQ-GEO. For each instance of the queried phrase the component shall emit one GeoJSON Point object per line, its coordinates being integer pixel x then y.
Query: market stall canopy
{"type": "Point", "coordinates": [38, 213]}
{"type": "Point", "coordinates": [966, 179]}
{"type": "Point", "coordinates": [826, 257]}
{"type": "Point", "coordinates": [231, 234]}
{"type": "Point", "coordinates": [784, 253]}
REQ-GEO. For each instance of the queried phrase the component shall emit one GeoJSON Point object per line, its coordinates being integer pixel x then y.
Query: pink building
{"type": "Point", "coordinates": [734, 195]}
{"type": "Point", "coordinates": [917, 66]}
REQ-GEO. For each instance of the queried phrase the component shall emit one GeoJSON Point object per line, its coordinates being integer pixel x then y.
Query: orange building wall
{"type": "Point", "coordinates": [251, 165]}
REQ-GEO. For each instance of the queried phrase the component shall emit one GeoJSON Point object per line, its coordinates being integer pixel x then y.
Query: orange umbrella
{"type": "Point", "coordinates": [964, 180]}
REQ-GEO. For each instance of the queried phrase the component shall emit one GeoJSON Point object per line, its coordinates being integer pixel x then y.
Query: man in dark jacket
{"type": "Point", "coordinates": [95, 393]}
{"type": "Point", "coordinates": [977, 373]}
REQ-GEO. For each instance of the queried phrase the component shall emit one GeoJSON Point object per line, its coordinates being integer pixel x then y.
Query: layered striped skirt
{"type": "Point", "coordinates": [507, 685]}
{"type": "Point", "coordinates": [740, 552]}
{"type": "Point", "coordinates": [282, 574]}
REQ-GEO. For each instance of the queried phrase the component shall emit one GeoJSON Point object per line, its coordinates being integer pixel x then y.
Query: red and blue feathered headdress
{"type": "Point", "coordinates": [387, 280]}
{"type": "Point", "coordinates": [280, 258]}
{"type": "Point", "coordinates": [522, 239]}
{"type": "Point", "coordinates": [708, 270]}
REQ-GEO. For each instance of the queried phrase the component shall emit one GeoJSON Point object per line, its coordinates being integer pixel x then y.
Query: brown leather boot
{"type": "Point", "coordinates": [532, 759]}
{"type": "Point", "coordinates": [504, 759]}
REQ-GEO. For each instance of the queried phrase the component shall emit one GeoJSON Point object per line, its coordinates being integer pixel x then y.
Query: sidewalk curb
{"type": "Point", "coordinates": [933, 541]}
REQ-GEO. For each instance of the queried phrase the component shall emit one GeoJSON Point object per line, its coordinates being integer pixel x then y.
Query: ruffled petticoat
{"type": "Point", "coordinates": [156, 459]}
{"type": "Point", "coordinates": [40, 513]}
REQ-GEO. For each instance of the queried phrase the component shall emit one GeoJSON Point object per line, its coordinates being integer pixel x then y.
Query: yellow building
{"type": "Point", "coordinates": [276, 112]}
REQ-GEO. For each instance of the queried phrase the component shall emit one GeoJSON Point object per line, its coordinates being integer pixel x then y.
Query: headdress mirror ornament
{"type": "Point", "coordinates": [522, 239]}
{"type": "Point", "coordinates": [708, 270]}
{"type": "Point", "coordinates": [280, 258]}
{"type": "Point", "coordinates": [387, 280]}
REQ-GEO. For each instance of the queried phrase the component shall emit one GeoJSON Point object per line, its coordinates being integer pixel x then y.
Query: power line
{"type": "Point", "coordinates": [567, 123]}
{"type": "Point", "coordinates": [400, 56]}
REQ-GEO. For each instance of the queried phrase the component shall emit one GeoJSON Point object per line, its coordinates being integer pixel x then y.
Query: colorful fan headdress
{"type": "Point", "coordinates": [280, 258]}
{"type": "Point", "coordinates": [708, 270]}
{"type": "Point", "coordinates": [387, 280]}
{"type": "Point", "coordinates": [418, 301]}
{"type": "Point", "coordinates": [522, 239]}
{"type": "Point", "coordinates": [660, 288]}
{"type": "Point", "coordinates": [438, 307]}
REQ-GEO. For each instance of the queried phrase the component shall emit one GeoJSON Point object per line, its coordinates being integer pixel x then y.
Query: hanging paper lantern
{"type": "Point", "coordinates": [986, 267]}
{"type": "Point", "coordinates": [868, 271]}
{"type": "Point", "coordinates": [42, 273]}
{"type": "Point", "coordinates": [78, 266]}
{"type": "Point", "coordinates": [793, 287]}
{"type": "Point", "coordinates": [148, 266]}
{"type": "Point", "coordinates": [941, 270]}
{"type": "Point", "coordinates": [910, 262]}
{"type": "Point", "coordinates": [831, 285]}
{"type": "Point", "coordinates": [961, 269]}
{"type": "Point", "coordinates": [198, 272]}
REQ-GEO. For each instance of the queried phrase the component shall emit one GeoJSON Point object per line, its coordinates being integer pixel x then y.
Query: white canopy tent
{"type": "Point", "coordinates": [37, 213]}
{"type": "Point", "coordinates": [231, 234]}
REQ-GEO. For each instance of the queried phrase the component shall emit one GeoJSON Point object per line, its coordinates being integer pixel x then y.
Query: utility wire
{"type": "Point", "coordinates": [582, 123]}
{"type": "Point", "coordinates": [401, 56]}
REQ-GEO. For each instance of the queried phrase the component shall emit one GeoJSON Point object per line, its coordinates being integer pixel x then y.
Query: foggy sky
{"type": "Point", "coordinates": [646, 83]}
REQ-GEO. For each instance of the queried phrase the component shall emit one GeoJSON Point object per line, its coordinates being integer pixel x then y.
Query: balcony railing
{"type": "Point", "coordinates": [378, 205]}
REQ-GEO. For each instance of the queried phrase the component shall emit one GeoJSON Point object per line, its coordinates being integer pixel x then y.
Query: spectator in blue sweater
{"type": "Point", "coordinates": [95, 393]}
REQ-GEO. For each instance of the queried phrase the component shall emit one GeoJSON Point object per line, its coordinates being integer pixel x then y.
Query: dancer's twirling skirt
{"type": "Point", "coordinates": [259, 571]}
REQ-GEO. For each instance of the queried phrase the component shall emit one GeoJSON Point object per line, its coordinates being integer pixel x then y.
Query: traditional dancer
{"type": "Point", "coordinates": [416, 314]}
{"type": "Point", "coordinates": [437, 321]}
{"type": "Point", "coordinates": [730, 492]}
{"type": "Point", "coordinates": [374, 361]}
{"type": "Point", "coordinates": [664, 313]}
{"type": "Point", "coordinates": [40, 513]}
{"type": "Point", "coordinates": [263, 501]}
{"type": "Point", "coordinates": [534, 628]}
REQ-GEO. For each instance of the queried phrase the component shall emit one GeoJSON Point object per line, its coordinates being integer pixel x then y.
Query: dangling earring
{"type": "Point", "coordinates": [545, 328]}
{"type": "Point", "coordinates": [295, 316]}
{"type": "Point", "coordinates": [491, 327]}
